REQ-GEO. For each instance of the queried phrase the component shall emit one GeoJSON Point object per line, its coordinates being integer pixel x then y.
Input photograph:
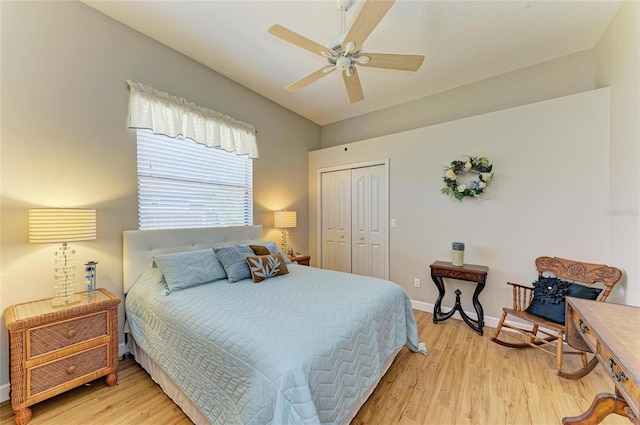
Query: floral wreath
{"type": "Point", "coordinates": [477, 165]}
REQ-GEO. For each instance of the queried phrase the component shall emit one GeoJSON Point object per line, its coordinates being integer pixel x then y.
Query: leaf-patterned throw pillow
{"type": "Point", "coordinates": [265, 266]}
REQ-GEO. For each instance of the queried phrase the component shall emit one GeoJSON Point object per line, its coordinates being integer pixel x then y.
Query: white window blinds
{"type": "Point", "coordinates": [182, 184]}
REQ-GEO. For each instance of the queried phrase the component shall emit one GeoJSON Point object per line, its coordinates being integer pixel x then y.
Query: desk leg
{"type": "Point", "coordinates": [603, 405]}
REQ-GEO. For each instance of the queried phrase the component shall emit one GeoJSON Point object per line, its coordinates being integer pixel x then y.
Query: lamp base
{"type": "Point", "coordinates": [65, 276]}
{"type": "Point", "coordinates": [285, 240]}
{"type": "Point", "coordinates": [65, 300]}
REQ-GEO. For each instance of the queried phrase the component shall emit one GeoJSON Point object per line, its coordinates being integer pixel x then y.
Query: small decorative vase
{"type": "Point", "coordinates": [457, 254]}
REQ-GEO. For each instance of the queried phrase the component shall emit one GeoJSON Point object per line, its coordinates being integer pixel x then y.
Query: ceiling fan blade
{"type": "Point", "coordinates": [354, 88]}
{"type": "Point", "coordinates": [300, 41]}
{"type": "Point", "coordinates": [370, 15]}
{"type": "Point", "coordinates": [391, 61]}
{"type": "Point", "coordinates": [305, 81]}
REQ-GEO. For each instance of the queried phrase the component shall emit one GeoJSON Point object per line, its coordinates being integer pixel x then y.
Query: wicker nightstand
{"type": "Point", "coordinates": [56, 349]}
{"type": "Point", "coordinates": [301, 259]}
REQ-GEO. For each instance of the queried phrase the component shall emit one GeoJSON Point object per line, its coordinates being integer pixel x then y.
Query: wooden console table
{"type": "Point", "coordinates": [610, 331]}
{"type": "Point", "coordinates": [468, 272]}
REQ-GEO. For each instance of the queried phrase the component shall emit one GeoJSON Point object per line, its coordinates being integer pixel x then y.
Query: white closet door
{"type": "Point", "coordinates": [336, 220]}
{"type": "Point", "coordinates": [360, 200]}
{"type": "Point", "coordinates": [369, 221]}
{"type": "Point", "coordinates": [378, 222]}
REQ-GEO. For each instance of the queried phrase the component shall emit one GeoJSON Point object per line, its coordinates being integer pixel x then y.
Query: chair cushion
{"type": "Point", "coordinates": [549, 295]}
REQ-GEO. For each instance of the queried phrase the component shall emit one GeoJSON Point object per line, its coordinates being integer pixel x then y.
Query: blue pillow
{"type": "Point", "coordinates": [549, 295]}
{"type": "Point", "coordinates": [185, 269]}
{"type": "Point", "coordinates": [233, 260]}
{"type": "Point", "coordinates": [273, 249]}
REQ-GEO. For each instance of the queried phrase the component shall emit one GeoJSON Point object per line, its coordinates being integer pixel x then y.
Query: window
{"type": "Point", "coordinates": [183, 184]}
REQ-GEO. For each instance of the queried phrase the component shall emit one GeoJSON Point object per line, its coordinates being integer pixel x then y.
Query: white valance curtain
{"type": "Point", "coordinates": [174, 116]}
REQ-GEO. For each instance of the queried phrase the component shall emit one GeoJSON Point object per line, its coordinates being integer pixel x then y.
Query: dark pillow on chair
{"type": "Point", "coordinates": [549, 295]}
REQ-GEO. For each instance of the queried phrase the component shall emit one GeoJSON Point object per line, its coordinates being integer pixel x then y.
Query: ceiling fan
{"type": "Point", "coordinates": [344, 51]}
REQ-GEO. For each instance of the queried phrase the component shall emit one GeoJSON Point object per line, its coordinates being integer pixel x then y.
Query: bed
{"type": "Point", "coordinates": [306, 347]}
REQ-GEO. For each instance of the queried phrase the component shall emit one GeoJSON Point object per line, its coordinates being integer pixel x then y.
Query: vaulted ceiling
{"type": "Point", "coordinates": [462, 41]}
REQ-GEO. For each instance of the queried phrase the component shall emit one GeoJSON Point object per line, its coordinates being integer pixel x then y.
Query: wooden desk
{"type": "Point", "coordinates": [468, 272]}
{"type": "Point", "coordinates": [610, 331]}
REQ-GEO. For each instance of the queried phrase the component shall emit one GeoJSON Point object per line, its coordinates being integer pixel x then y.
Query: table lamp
{"type": "Point", "coordinates": [62, 225]}
{"type": "Point", "coordinates": [284, 220]}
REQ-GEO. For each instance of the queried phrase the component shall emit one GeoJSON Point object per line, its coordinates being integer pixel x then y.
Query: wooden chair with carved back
{"type": "Point", "coordinates": [556, 276]}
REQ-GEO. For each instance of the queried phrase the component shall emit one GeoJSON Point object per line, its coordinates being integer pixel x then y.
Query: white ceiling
{"type": "Point", "coordinates": [462, 41]}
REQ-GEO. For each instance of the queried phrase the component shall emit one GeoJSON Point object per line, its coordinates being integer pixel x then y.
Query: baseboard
{"type": "Point", "coordinates": [4, 392]}
{"type": "Point", "coordinates": [5, 389]}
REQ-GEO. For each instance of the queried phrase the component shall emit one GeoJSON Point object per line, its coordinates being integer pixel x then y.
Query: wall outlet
{"type": "Point", "coordinates": [416, 282]}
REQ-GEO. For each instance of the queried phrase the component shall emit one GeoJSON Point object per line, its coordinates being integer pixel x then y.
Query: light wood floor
{"type": "Point", "coordinates": [464, 379]}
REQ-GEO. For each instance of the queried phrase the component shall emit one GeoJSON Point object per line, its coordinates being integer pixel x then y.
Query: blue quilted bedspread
{"type": "Point", "coordinates": [301, 348]}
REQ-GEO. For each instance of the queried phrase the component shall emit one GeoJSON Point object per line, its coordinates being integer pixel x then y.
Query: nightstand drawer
{"type": "Point", "coordinates": [45, 339]}
{"type": "Point", "coordinates": [68, 369]}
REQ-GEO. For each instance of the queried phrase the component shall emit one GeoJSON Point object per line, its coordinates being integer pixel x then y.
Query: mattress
{"type": "Point", "coordinates": [302, 348]}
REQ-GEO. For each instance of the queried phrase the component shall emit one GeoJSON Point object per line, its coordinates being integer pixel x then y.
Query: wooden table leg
{"type": "Point", "coordinates": [603, 405]}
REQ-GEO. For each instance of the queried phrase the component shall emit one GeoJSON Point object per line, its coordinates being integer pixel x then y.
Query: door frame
{"type": "Point", "coordinates": [364, 164]}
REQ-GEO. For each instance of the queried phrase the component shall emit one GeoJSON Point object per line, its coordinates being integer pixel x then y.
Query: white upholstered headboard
{"type": "Point", "coordinates": [140, 246]}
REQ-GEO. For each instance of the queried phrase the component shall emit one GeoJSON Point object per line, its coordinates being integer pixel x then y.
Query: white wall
{"type": "Point", "coordinates": [618, 55]}
{"type": "Point", "coordinates": [549, 195]}
{"type": "Point", "coordinates": [556, 78]}
{"type": "Point", "coordinates": [65, 141]}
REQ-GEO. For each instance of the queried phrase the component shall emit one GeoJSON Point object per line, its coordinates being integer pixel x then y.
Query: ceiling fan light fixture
{"type": "Point", "coordinates": [362, 59]}
{"type": "Point", "coordinates": [349, 47]}
{"type": "Point", "coordinates": [343, 63]}
{"type": "Point", "coordinates": [348, 72]}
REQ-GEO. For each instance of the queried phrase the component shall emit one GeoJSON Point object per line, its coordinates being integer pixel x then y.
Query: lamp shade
{"type": "Point", "coordinates": [50, 225]}
{"type": "Point", "coordinates": [284, 219]}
